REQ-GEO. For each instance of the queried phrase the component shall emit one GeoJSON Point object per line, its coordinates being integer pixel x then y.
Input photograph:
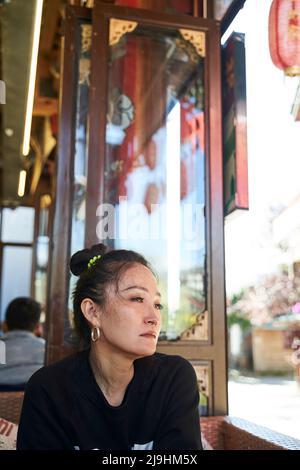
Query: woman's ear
{"type": "Point", "coordinates": [91, 311]}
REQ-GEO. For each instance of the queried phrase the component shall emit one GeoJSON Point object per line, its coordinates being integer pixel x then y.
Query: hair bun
{"type": "Point", "coordinates": [80, 259]}
{"type": "Point", "coordinates": [98, 249]}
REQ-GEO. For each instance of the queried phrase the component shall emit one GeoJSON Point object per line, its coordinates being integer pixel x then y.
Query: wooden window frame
{"type": "Point", "coordinates": [62, 222]}
{"type": "Point", "coordinates": [213, 351]}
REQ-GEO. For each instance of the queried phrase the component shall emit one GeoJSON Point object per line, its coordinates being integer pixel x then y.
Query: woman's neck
{"type": "Point", "coordinates": [112, 374]}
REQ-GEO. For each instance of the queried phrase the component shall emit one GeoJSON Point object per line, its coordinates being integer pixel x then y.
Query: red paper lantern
{"type": "Point", "coordinates": [284, 35]}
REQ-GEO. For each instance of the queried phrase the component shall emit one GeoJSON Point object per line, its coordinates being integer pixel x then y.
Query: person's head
{"type": "Point", "coordinates": [23, 313]}
{"type": "Point", "coordinates": [117, 296]}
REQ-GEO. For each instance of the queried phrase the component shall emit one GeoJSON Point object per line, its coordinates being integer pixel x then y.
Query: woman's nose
{"type": "Point", "coordinates": [152, 315]}
{"type": "Point", "coordinates": [152, 318]}
{"type": "Point", "coordinates": [151, 321]}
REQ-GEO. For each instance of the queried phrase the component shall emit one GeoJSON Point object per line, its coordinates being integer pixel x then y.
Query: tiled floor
{"type": "Point", "coordinates": [269, 401]}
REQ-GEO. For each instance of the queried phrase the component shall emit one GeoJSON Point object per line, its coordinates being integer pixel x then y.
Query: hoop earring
{"type": "Point", "coordinates": [95, 333]}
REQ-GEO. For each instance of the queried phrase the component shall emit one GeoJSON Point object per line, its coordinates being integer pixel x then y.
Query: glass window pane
{"type": "Point", "coordinates": [43, 220]}
{"type": "Point", "coordinates": [16, 274]}
{"type": "Point", "coordinates": [40, 286]}
{"type": "Point", "coordinates": [42, 251]}
{"type": "Point", "coordinates": [17, 225]}
{"type": "Point", "coordinates": [155, 168]}
{"type": "Point", "coordinates": [203, 374]}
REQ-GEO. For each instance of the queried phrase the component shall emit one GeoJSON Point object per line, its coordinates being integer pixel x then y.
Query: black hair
{"type": "Point", "coordinates": [22, 313]}
{"type": "Point", "coordinates": [94, 280]}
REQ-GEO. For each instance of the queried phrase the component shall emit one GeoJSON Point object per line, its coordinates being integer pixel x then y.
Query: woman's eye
{"type": "Point", "coordinates": [138, 299]}
{"type": "Point", "coordinates": [141, 300]}
{"type": "Point", "coordinates": [159, 306]}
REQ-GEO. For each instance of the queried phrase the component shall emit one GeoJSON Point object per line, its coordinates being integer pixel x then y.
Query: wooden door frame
{"type": "Point", "coordinates": [62, 219]}
{"type": "Point", "coordinates": [213, 351]}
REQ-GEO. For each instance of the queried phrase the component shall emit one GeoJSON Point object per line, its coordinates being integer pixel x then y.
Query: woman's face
{"type": "Point", "coordinates": [130, 323]}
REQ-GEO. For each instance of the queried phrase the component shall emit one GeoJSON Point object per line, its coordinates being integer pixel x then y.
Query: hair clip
{"type": "Point", "coordinates": [93, 261]}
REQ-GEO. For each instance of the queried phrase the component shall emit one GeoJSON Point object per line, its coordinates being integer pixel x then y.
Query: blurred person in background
{"type": "Point", "coordinates": [24, 346]}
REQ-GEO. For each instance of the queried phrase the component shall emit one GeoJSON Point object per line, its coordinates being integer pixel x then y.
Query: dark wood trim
{"type": "Point", "coordinates": [16, 244]}
{"type": "Point", "coordinates": [198, 8]}
{"type": "Point", "coordinates": [62, 224]}
{"type": "Point", "coordinates": [230, 14]}
{"type": "Point", "coordinates": [97, 119]}
{"type": "Point", "coordinates": [210, 8]}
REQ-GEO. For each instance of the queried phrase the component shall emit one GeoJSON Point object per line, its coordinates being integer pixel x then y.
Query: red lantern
{"type": "Point", "coordinates": [284, 35]}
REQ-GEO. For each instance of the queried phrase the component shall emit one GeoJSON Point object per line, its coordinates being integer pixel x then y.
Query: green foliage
{"type": "Point", "coordinates": [236, 297]}
{"type": "Point", "coordinates": [236, 318]}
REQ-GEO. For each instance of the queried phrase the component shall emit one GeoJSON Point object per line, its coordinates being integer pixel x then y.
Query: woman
{"type": "Point", "coordinates": [118, 393]}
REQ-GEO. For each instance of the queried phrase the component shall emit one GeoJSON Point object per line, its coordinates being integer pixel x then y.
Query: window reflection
{"type": "Point", "coordinates": [42, 251]}
{"type": "Point", "coordinates": [15, 281]}
{"type": "Point", "coordinates": [155, 167]}
{"type": "Point", "coordinates": [21, 218]}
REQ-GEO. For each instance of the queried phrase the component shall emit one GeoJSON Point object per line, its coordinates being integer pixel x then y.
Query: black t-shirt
{"type": "Point", "coordinates": [65, 409]}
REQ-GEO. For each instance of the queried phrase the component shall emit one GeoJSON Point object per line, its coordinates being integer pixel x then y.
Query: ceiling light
{"type": "Point", "coordinates": [22, 182]}
{"type": "Point", "coordinates": [32, 75]}
{"type": "Point", "coordinates": [9, 132]}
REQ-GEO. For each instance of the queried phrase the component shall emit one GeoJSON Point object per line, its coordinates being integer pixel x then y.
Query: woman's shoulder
{"type": "Point", "coordinates": [170, 364]}
{"type": "Point", "coordinates": [174, 360]}
{"type": "Point", "coordinates": [165, 369]}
